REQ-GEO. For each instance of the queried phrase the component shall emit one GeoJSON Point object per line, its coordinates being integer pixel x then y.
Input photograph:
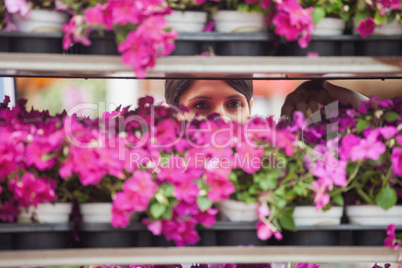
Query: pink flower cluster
{"type": "Point", "coordinates": [293, 22]}
{"type": "Point", "coordinates": [140, 22]}
{"type": "Point", "coordinates": [391, 240]}
{"type": "Point", "coordinates": [27, 150]}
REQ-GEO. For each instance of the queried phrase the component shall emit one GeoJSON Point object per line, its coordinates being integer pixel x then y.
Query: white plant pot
{"type": "Point", "coordinates": [187, 21]}
{"type": "Point", "coordinates": [40, 21]}
{"type": "Point", "coordinates": [309, 216]}
{"type": "Point", "coordinates": [96, 212]}
{"type": "Point", "coordinates": [231, 210]}
{"type": "Point", "coordinates": [374, 215]}
{"type": "Point", "coordinates": [45, 213]}
{"type": "Point", "coordinates": [329, 27]}
{"type": "Point", "coordinates": [393, 28]}
{"type": "Point", "coordinates": [228, 21]}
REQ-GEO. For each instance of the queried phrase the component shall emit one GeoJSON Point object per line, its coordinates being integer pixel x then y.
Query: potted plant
{"type": "Point", "coordinates": [330, 18]}
{"type": "Point", "coordinates": [38, 25]}
{"type": "Point", "coordinates": [32, 190]}
{"type": "Point", "coordinates": [188, 17]}
{"type": "Point", "coordinates": [142, 28]}
{"type": "Point", "coordinates": [383, 21]}
{"type": "Point", "coordinates": [378, 178]}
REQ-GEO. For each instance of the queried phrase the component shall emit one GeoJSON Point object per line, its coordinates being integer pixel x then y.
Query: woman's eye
{"type": "Point", "coordinates": [200, 106]}
{"type": "Point", "coordinates": [235, 104]}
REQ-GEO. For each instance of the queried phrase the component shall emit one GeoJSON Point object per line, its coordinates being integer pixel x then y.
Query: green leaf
{"type": "Point", "coordinates": [233, 177]}
{"type": "Point", "coordinates": [338, 199]}
{"type": "Point", "coordinates": [253, 190]}
{"type": "Point", "coordinates": [386, 198]}
{"type": "Point", "coordinates": [243, 7]}
{"type": "Point", "coordinates": [391, 116]}
{"type": "Point", "coordinates": [169, 189]}
{"type": "Point", "coordinates": [250, 199]}
{"type": "Point", "coordinates": [81, 198]}
{"type": "Point", "coordinates": [287, 222]}
{"type": "Point", "coordinates": [157, 210]}
{"type": "Point", "coordinates": [299, 189]}
{"type": "Point", "coordinates": [378, 19]}
{"type": "Point", "coordinates": [268, 184]}
{"type": "Point", "coordinates": [280, 191]}
{"type": "Point", "coordinates": [362, 125]}
{"type": "Point", "coordinates": [318, 14]}
{"type": "Point", "coordinates": [167, 214]}
{"type": "Point", "coordinates": [204, 203]}
{"type": "Point", "coordinates": [281, 203]}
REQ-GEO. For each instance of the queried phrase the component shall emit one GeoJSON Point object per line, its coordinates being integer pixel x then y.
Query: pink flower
{"type": "Point", "coordinates": [221, 187]}
{"type": "Point", "coordinates": [31, 190]}
{"type": "Point", "coordinates": [94, 15]}
{"type": "Point", "coordinates": [74, 32]}
{"type": "Point", "coordinates": [348, 142]}
{"type": "Point", "coordinates": [249, 156]}
{"type": "Point", "coordinates": [396, 160]}
{"type": "Point", "coordinates": [119, 218]}
{"type": "Point", "coordinates": [265, 230]}
{"type": "Point", "coordinates": [369, 148]}
{"type": "Point", "coordinates": [37, 154]}
{"type": "Point", "coordinates": [8, 211]}
{"type": "Point", "coordinates": [146, 43]}
{"type": "Point", "coordinates": [321, 198]}
{"type": "Point", "coordinates": [141, 185]}
{"type": "Point", "coordinates": [207, 218]}
{"type": "Point", "coordinates": [388, 131]}
{"type": "Point", "coordinates": [313, 54]}
{"type": "Point", "coordinates": [186, 191]}
{"type": "Point", "coordinates": [390, 240]}
{"type": "Point", "coordinates": [8, 153]}
{"type": "Point", "coordinates": [154, 226]}
{"type": "Point", "coordinates": [263, 210]}
{"type": "Point", "coordinates": [331, 173]}
{"type": "Point", "coordinates": [366, 27]}
{"type": "Point", "coordinates": [399, 139]}
{"type": "Point", "coordinates": [14, 6]}
{"type": "Point", "coordinates": [87, 165]}
{"type": "Point", "coordinates": [209, 28]}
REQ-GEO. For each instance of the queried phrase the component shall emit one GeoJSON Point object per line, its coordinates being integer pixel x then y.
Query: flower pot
{"type": "Point", "coordinates": [231, 210]}
{"type": "Point", "coordinates": [36, 43]}
{"type": "Point", "coordinates": [100, 44]}
{"type": "Point", "coordinates": [308, 216]}
{"type": "Point", "coordinates": [46, 213]}
{"type": "Point", "coordinates": [329, 26]}
{"type": "Point", "coordinates": [40, 21]}
{"type": "Point", "coordinates": [235, 211]}
{"type": "Point", "coordinates": [96, 212]}
{"type": "Point", "coordinates": [385, 41]}
{"type": "Point", "coordinates": [393, 28]}
{"type": "Point", "coordinates": [374, 215]}
{"type": "Point", "coordinates": [229, 21]}
{"type": "Point", "coordinates": [187, 21]}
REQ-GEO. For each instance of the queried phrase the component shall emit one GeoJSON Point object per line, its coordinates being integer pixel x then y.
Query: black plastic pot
{"type": "Point", "coordinates": [311, 238]}
{"type": "Point", "coordinates": [104, 235]}
{"type": "Point", "coordinates": [4, 42]}
{"type": "Point", "coordinates": [38, 235]}
{"type": "Point", "coordinates": [379, 46]}
{"type": "Point", "coordinates": [36, 42]}
{"type": "Point", "coordinates": [104, 44]}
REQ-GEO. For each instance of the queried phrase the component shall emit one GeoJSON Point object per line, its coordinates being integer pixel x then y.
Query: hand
{"type": "Point", "coordinates": [306, 98]}
{"type": "Point", "coordinates": [312, 95]}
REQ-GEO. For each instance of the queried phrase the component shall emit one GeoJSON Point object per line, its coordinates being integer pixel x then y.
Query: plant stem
{"type": "Point", "coordinates": [386, 180]}
{"type": "Point", "coordinates": [364, 196]}
{"type": "Point", "coordinates": [353, 175]}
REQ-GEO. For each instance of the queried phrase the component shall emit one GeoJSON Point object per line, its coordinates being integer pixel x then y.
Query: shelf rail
{"type": "Point", "coordinates": [201, 67]}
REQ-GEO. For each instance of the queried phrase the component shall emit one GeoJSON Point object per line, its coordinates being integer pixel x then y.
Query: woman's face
{"type": "Point", "coordinates": [215, 96]}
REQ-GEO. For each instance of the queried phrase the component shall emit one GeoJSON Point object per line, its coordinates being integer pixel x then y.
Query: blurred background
{"type": "Point", "coordinates": [57, 95]}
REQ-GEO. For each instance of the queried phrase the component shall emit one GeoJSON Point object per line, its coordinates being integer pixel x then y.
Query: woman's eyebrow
{"type": "Point", "coordinates": [200, 97]}
{"type": "Point", "coordinates": [235, 96]}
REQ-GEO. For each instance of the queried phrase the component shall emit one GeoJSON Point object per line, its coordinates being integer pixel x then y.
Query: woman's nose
{"type": "Point", "coordinates": [223, 113]}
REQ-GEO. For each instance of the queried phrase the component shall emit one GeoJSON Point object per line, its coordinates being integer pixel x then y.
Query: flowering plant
{"type": "Point", "coordinates": [329, 8]}
{"type": "Point", "coordinates": [141, 31]}
{"type": "Point", "coordinates": [23, 8]}
{"type": "Point", "coordinates": [372, 14]}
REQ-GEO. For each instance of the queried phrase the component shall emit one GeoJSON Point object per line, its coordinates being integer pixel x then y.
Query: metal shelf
{"type": "Point", "coordinates": [172, 255]}
{"type": "Point", "coordinates": [202, 67]}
